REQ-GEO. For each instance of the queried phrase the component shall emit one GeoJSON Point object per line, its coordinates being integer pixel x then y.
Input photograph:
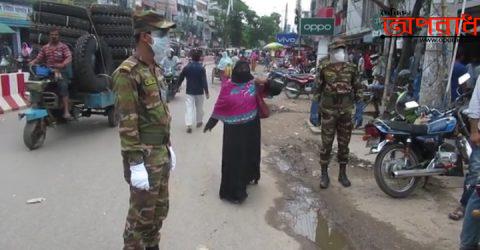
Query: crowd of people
{"type": "Point", "coordinates": [146, 148]}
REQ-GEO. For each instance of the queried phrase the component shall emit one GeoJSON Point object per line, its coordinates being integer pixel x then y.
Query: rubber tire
{"type": "Point", "coordinates": [289, 94]}
{"type": "Point", "coordinates": [109, 19]}
{"type": "Point", "coordinates": [107, 9]}
{"type": "Point", "coordinates": [58, 8]}
{"type": "Point", "coordinates": [42, 39]}
{"type": "Point", "coordinates": [113, 117]}
{"type": "Point", "coordinates": [121, 53]}
{"type": "Point", "coordinates": [114, 30]}
{"type": "Point", "coordinates": [61, 20]}
{"type": "Point", "coordinates": [88, 74]}
{"type": "Point", "coordinates": [67, 32]}
{"type": "Point", "coordinates": [119, 41]}
{"type": "Point", "coordinates": [379, 177]}
{"type": "Point", "coordinates": [34, 134]}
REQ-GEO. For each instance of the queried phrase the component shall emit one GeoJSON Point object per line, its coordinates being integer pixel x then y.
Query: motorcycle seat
{"type": "Point", "coordinates": [408, 127]}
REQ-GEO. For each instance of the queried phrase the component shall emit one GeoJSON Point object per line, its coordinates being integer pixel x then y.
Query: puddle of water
{"type": "Point", "coordinates": [301, 214]}
{"type": "Point", "coordinates": [328, 238]}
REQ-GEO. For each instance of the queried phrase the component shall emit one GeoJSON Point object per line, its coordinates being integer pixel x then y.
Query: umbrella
{"type": "Point", "coordinates": [273, 46]}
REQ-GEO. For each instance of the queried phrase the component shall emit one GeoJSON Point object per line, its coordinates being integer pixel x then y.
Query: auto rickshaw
{"type": "Point", "coordinates": [46, 106]}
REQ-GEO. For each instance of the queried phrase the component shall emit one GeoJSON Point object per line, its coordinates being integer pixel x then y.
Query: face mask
{"type": "Point", "coordinates": [160, 47]}
{"type": "Point", "coordinates": [338, 55]}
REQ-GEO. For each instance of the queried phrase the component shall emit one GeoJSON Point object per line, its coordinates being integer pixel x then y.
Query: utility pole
{"type": "Point", "coordinates": [434, 77]}
{"type": "Point", "coordinates": [298, 22]}
{"type": "Point", "coordinates": [286, 19]}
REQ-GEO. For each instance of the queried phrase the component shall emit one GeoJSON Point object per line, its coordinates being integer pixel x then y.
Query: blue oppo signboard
{"type": "Point", "coordinates": [287, 39]}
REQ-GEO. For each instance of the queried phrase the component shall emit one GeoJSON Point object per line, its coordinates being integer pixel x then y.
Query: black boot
{"type": "Point", "coordinates": [342, 176]}
{"type": "Point", "coordinates": [152, 248]}
{"type": "Point", "coordinates": [324, 179]}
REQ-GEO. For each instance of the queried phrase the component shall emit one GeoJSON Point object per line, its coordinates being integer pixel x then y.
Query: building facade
{"type": "Point", "coordinates": [14, 17]}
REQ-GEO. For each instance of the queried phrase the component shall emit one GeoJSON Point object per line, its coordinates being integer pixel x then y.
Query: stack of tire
{"type": "Point", "coordinates": [115, 26]}
{"type": "Point", "coordinates": [72, 22]}
{"type": "Point", "coordinates": [92, 59]}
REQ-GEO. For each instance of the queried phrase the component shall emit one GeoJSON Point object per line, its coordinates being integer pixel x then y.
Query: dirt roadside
{"type": "Point", "coordinates": [360, 217]}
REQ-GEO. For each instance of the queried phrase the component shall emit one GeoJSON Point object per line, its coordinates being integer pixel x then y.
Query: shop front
{"type": "Point", "coordinates": [14, 20]}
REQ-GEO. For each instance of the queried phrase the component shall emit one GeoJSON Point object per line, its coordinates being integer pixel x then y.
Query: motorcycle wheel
{"type": "Point", "coordinates": [34, 134]}
{"type": "Point", "coordinates": [113, 117]}
{"type": "Point", "coordinates": [292, 94]}
{"type": "Point", "coordinates": [392, 158]}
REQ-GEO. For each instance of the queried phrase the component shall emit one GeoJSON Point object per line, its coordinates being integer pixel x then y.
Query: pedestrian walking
{"type": "Point", "coordinates": [197, 87]}
{"type": "Point", "coordinates": [339, 89]}
{"type": "Point", "coordinates": [253, 60]}
{"type": "Point", "coordinates": [238, 109]}
{"type": "Point", "coordinates": [225, 65]}
{"type": "Point", "coordinates": [367, 65]}
{"type": "Point", "coordinates": [144, 134]}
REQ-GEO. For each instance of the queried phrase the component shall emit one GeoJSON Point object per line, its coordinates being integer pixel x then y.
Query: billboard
{"type": "Point", "coordinates": [317, 26]}
{"type": "Point", "coordinates": [287, 38]}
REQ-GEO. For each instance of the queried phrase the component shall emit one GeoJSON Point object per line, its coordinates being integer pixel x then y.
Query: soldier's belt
{"type": "Point", "coordinates": [155, 139]}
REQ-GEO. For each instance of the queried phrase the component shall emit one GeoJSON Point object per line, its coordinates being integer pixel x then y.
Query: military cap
{"type": "Point", "coordinates": [150, 20]}
{"type": "Point", "coordinates": [337, 43]}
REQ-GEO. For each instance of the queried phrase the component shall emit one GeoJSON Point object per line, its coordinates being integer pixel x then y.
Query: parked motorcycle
{"type": "Point", "coordinates": [436, 147]}
{"type": "Point", "coordinates": [299, 84]}
{"type": "Point", "coordinates": [282, 73]}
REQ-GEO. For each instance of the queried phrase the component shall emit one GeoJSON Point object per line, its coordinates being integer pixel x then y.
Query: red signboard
{"type": "Point", "coordinates": [325, 12]}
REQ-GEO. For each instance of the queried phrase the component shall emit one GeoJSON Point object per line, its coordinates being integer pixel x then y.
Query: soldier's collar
{"type": "Point", "coordinates": [139, 58]}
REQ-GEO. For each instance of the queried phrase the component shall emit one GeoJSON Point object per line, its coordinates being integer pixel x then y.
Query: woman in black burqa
{"type": "Point", "coordinates": [237, 108]}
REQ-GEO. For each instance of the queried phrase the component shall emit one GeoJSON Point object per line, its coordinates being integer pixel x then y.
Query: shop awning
{"type": "Point", "coordinates": [15, 22]}
{"type": "Point", "coordinates": [4, 29]}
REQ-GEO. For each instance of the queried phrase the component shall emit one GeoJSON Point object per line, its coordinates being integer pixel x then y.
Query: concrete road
{"type": "Point", "coordinates": [79, 172]}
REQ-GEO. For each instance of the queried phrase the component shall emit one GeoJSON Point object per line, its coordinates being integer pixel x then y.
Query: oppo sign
{"type": "Point", "coordinates": [317, 26]}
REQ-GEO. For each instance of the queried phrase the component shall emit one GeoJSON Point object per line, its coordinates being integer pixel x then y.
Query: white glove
{"type": "Point", "coordinates": [173, 158]}
{"type": "Point", "coordinates": [139, 177]}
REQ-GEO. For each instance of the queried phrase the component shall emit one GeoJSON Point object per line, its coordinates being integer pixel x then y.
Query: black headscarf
{"type": "Point", "coordinates": [241, 73]}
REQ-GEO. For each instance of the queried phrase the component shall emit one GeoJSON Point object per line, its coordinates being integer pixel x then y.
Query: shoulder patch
{"type": "Point", "coordinates": [128, 64]}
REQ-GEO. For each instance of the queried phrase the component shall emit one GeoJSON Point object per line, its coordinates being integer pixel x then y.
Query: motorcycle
{"type": "Point", "coordinates": [438, 146]}
{"type": "Point", "coordinates": [173, 86]}
{"type": "Point", "coordinates": [299, 84]}
{"type": "Point", "coordinates": [281, 73]}
{"type": "Point", "coordinates": [375, 140]}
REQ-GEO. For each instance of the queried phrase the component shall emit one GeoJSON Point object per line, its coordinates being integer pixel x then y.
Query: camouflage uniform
{"type": "Point", "coordinates": [338, 89]}
{"type": "Point", "coordinates": [145, 135]}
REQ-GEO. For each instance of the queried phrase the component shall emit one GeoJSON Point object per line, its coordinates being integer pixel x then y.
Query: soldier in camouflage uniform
{"type": "Point", "coordinates": [339, 88]}
{"type": "Point", "coordinates": [145, 135]}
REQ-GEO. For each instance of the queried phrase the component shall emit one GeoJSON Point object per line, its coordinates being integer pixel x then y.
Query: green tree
{"type": "Point", "coordinates": [243, 27]}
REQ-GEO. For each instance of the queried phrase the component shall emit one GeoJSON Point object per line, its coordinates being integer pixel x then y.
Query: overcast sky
{"type": "Point", "coordinates": [266, 7]}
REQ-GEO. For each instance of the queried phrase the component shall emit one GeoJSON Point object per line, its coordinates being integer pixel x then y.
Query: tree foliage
{"type": "Point", "coordinates": [243, 27]}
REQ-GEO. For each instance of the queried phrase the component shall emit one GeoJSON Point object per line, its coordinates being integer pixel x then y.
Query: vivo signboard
{"type": "Point", "coordinates": [287, 39]}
